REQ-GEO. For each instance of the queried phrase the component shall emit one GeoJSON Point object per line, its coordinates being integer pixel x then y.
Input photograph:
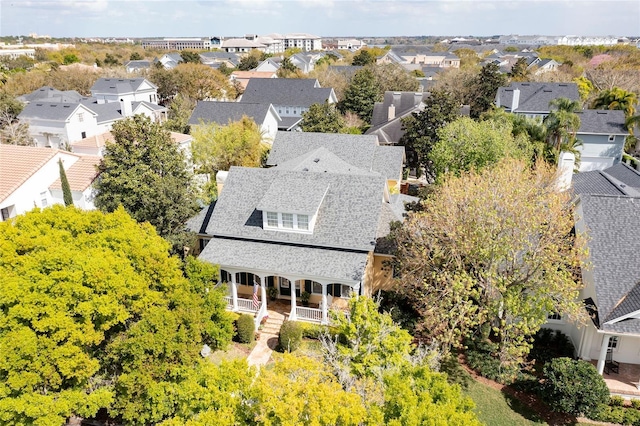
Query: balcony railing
{"type": "Point", "coordinates": [309, 314]}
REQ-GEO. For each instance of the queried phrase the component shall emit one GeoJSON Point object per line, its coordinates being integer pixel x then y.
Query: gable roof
{"type": "Point", "coordinates": [223, 112]}
{"type": "Point", "coordinates": [535, 97]}
{"type": "Point", "coordinates": [49, 94]}
{"type": "Point", "coordinates": [81, 174]}
{"type": "Point", "coordinates": [613, 227]}
{"type": "Point", "coordinates": [360, 151]}
{"type": "Point", "coordinates": [301, 92]}
{"type": "Point", "coordinates": [108, 111]}
{"type": "Point", "coordinates": [347, 217]}
{"type": "Point", "coordinates": [606, 122]}
{"type": "Point", "coordinates": [625, 174]}
{"type": "Point", "coordinates": [321, 160]}
{"type": "Point", "coordinates": [55, 111]}
{"type": "Point", "coordinates": [403, 103]}
{"type": "Point", "coordinates": [19, 163]}
{"type": "Point", "coordinates": [119, 85]}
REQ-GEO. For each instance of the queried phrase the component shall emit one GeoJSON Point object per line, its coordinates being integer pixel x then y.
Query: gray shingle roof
{"type": "Point", "coordinates": [613, 227]}
{"type": "Point", "coordinates": [49, 94]}
{"type": "Point", "coordinates": [388, 161]}
{"type": "Point", "coordinates": [117, 85]}
{"type": "Point", "coordinates": [354, 149]}
{"type": "Point", "coordinates": [625, 174]}
{"type": "Point", "coordinates": [321, 160]}
{"type": "Point", "coordinates": [48, 110]}
{"type": "Point", "coordinates": [138, 64]}
{"type": "Point", "coordinates": [347, 218]}
{"type": "Point", "coordinates": [295, 193]}
{"type": "Point", "coordinates": [594, 182]}
{"type": "Point", "coordinates": [286, 259]}
{"type": "Point", "coordinates": [535, 97]}
{"type": "Point", "coordinates": [403, 102]}
{"type": "Point", "coordinates": [285, 91]}
{"type": "Point", "coordinates": [606, 122]}
{"type": "Point", "coordinates": [223, 112]}
{"type": "Point", "coordinates": [287, 123]}
{"type": "Point", "coordinates": [109, 111]}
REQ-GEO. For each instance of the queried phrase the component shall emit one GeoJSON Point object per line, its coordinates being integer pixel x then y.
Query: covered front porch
{"type": "Point", "coordinates": [254, 292]}
{"type": "Point", "coordinates": [625, 382]}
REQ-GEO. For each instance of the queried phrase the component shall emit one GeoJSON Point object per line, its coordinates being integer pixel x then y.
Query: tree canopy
{"type": "Point", "coordinates": [323, 118]}
{"type": "Point", "coordinates": [361, 94]}
{"type": "Point", "coordinates": [491, 248]}
{"type": "Point", "coordinates": [484, 88]}
{"type": "Point", "coordinates": [144, 171]}
{"type": "Point", "coordinates": [103, 314]}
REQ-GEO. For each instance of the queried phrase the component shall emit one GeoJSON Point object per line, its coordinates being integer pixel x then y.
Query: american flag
{"type": "Point", "coordinates": [256, 302]}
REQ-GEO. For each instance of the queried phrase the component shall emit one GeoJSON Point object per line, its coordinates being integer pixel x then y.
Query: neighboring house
{"type": "Point", "coordinates": [121, 89]}
{"type": "Point", "coordinates": [242, 77]}
{"type": "Point", "coordinates": [135, 66]}
{"type": "Point", "coordinates": [231, 60]}
{"type": "Point", "coordinates": [273, 45]}
{"type": "Point", "coordinates": [264, 115]}
{"type": "Point", "coordinates": [268, 65]}
{"type": "Point", "coordinates": [170, 60]}
{"type": "Point", "coordinates": [29, 176]}
{"type": "Point", "coordinates": [242, 45]}
{"type": "Point", "coordinates": [532, 99]}
{"type": "Point", "coordinates": [56, 124]}
{"type": "Point", "coordinates": [49, 94]}
{"type": "Point", "coordinates": [602, 133]}
{"type": "Point", "coordinates": [544, 65]}
{"type": "Point", "coordinates": [290, 96]}
{"type": "Point", "coordinates": [351, 44]}
{"type": "Point", "coordinates": [305, 63]}
{"type": "Point", "coordinates": [386, 121]}
{"type": "Point", "coordinates": [94, 145]}
{"type": "Point", "coordinates": [310, 224]}
{"type": "Point", "coordinates": [390, 57]}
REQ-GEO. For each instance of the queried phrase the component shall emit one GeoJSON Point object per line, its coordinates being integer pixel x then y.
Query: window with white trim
{"type": "Point", "coordinates": [287, 220]}
{"type": "Point", "coordinates": [613, 342]}
{"type": "Point", "coordinates": [80, 117]}
{"type": "Point", "coordinates": [43, 199]}
{"type": "Point", "coordinates": [272, 219]}
{"type": "Point", "coordinates": [302, 221]}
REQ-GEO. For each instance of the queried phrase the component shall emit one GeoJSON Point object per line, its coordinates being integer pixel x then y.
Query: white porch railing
{"type": "Point", "coordinates": [229, 300]}
{"type": "Point", "coordinates": [309, 314]}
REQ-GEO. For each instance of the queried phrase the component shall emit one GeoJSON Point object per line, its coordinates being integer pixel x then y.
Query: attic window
{"type": "Point", "coordinates": [286, 221]}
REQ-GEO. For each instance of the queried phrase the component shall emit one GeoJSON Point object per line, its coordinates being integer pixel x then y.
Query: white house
{"type": "Point", "coordinates": [29, 177]}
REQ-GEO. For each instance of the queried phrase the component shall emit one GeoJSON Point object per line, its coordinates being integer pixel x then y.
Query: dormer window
{"type": "Point", "coordinates": [292, 205]}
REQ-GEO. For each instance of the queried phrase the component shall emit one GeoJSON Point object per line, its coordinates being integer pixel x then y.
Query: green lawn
{"type": "Point", "coordinates": [494, 408]}
{"type": "Point", "coordinates": [234, 351]}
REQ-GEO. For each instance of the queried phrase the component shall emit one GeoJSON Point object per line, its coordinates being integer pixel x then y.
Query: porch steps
{"type": "Point", "coordinates": [273, 324]}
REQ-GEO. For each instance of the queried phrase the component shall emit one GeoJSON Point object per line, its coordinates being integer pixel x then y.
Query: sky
{"type": "Point", "coordinates": [186, 18]}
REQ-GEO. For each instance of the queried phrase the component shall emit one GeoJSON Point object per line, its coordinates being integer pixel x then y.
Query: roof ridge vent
{"type": "Point", "coordinates": [316, 160]}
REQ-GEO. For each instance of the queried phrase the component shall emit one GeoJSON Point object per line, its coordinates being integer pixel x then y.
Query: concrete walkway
{"type": "Point", "coordinates": [268, 341]}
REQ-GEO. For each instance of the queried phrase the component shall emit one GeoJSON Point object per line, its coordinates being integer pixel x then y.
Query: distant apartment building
{"type": "Point", "coordinates": [182, 43]}
{"type": "Point", "coordinates": [16, 53]}
{"type": "Point", "coordinates": [568, 40]}
{"type": "Point", "coordinates": [306, 42]}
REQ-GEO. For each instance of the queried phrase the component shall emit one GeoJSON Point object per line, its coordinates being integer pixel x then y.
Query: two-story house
{"type": "Point", "coordinates": [309, 224]}
{"type": "Point", "coordinates": [289, 96]}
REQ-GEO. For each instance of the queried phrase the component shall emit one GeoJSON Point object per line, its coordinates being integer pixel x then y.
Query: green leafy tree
{"type": "Point", "coordinates": [421, 128]}
{"type": "Point", "coordinates": [11, 130]}
{"type": "Point", "coordinates": [201, 82]}
{"type": "Point", "coordinates": [361, 94]}
{"type": "Point", "coordinates": [66, 189]}
{"type": "Point", "coordinates": [144, 171]}
{"type": "Point", "coordinates": [135, 56]}
{"type": "Point", "coordinates": [363, 57]}
{"type": "Point", "coordinates": [585, 87]}
{"type": "Point", "coordinates": [180, 109]}
{"type": "Point", "coordinates": [573, 387]}
{"type": "Point", "coordinates": [70, 59]}
{"type": "Point", "coordinates": [323, 118]}
{"type": "Point", "coordinates": [111, 60]}
{"type": "Point", "coordinates": [484, 89]}
{"type": "Point", "coordinates": [494, 248]}
{"type": "Point", "coordinates": [520, 70]}
{"type": "Point", "coordinates": [110, 306]}
{"type": "Point", "coordinates": [466, 144]}
{"type": "Point", "coordinates": [393, 78]}
{"type": "Point", "coordinates": [248, 63]}
{"type": "Point", "coordinates": [616, 98]}
{"type": "Point", "coordinates": [190, 57]}
{"type": "Point", "coordinates": [224, 69]}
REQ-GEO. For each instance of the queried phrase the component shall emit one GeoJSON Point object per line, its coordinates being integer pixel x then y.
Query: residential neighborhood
{"type": "Point", "coordinates": [242, 226]}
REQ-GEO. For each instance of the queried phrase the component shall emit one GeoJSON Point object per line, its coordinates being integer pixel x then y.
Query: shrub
{"type": "Point", "coordinates": [618, 415]}
{"type": "Point", "coordinates": [245, 328]}
{"type": "Point", "coordinates": [616, 401]}
{"type": "Point", "coordinates": [635, 403]}
{"type": "Point", "coordinates": [313, 331]}
{"type": "Point", "coordinates": [573, 387]}
{"type": "Point", "coordinates": [549, 344]}
{"type": "Point", "coordinates": [290, 336]}
{"type": "Point", "coordinates": [480, 359]}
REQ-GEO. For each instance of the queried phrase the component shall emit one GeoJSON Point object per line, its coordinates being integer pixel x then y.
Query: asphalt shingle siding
{"type": "Point", "coordinates": [347, 218]}
{"type": "Point", "coordinates": [613, 226]}
{"type": "Point", "coordinates": [607, 122]}
{"type": "Point", "coordinates": [285, 91]}
{"type": "Point", "coordinates": [223, 112]}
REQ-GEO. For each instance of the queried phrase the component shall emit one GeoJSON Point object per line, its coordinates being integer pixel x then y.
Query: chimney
{"type": "Point", "coordinates": [566, 165]}
{"type": "Point", "coordinates": [515, 101]}
{"type": "Point", "coordinates": [392, 112]}
{"type": "Point", "coordinates": [221, 176]}
{"type": "Point", "coordinates": [126, 108]}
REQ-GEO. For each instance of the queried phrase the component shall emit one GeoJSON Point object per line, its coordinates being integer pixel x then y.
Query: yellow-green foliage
{"type": "Point", "coordinates": [88, 298]}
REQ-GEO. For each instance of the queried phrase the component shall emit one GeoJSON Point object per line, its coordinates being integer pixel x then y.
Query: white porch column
{"type": "Point", "coordinates": [292, 314]}
{"type": "Point", "coordinates": [263, 292]}
{"type": "Point", "coordinates": [234, 291]}
{"type": "Point", "coordinates": [603, 353]}
{"type": "Point", "coordinates": [325, 308]}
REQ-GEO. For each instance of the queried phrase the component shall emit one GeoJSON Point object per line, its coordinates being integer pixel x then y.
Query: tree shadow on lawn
{"type": "Point", "coordinates": [529, 406]}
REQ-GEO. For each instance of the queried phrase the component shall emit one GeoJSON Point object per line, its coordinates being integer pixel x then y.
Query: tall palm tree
{"type": "Point", "coordinates": [616, 98]}
{"type": "Point", "coordinates": [562, 124]}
